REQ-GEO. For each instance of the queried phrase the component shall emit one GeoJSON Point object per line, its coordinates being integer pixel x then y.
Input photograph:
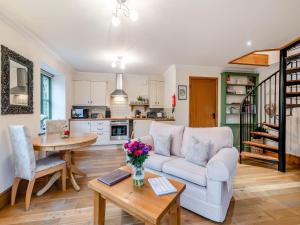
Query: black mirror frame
{"type": "Point", "coordinates": [6, 107]}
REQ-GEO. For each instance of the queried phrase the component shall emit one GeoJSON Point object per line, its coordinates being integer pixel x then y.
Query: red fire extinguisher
{"type": "Point", "coordinates": [173, 103]}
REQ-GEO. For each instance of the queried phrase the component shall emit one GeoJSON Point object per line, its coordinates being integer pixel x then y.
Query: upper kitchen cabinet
{"type": "Point", "coordinates": [156, 94]}
{"type": "Point", "coordinates": [91, 93]}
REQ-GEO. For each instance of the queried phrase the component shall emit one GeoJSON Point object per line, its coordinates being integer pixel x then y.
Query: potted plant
{"type": "Point", "coordinates": [137, 152]}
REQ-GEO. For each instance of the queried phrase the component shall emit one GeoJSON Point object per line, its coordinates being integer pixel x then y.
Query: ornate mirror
{"type": "Point", "coordinates": [16, 83]}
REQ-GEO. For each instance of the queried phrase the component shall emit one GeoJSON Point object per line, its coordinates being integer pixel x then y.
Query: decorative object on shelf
{"type": "Point", "coordinates": [270, 110]}
{"type": "Point", "coordinates": [182, 92]}
{"type": "Point", "coordinates": [123, 10]}
{"type": "Point", "coordinates": [137, 153]}
{"type": "Point", "coordinates": [16, 83]}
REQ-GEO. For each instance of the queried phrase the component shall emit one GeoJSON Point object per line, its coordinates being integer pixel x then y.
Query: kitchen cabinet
{"type": "Point", "coordinates": [89, 93]}
{"type": "Point", "coordinates": [101, 128]}
{"type": "Point", "coordinates": [80, 127]}
{"type": "Point", "coordinates": [156, 94]}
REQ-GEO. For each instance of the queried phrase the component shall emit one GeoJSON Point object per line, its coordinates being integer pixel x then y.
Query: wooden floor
{"type": "Point", "coordinates": [261, 196]}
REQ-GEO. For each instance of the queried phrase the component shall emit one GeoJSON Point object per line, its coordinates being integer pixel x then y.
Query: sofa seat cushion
{"type": "Point", "coordinates": [48, 162]}
{"type": "Point", "coordinates": [156, 161]}
{"type": "Point", "coordinates": [185, 170]}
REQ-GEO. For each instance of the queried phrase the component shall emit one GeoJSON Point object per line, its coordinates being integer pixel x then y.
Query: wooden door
{"type": "Point", "coordinates": [203, 102]}
{"type": "Point", "coordinates": [98, 93]}
{"type": "Point", "coordinates": [81, 92]}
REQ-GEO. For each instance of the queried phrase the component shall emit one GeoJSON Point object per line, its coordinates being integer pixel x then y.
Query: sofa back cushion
{"type": "Point", "coordinates": [175, 131]}
{"type": "Point", "coordinates": [220, 137]}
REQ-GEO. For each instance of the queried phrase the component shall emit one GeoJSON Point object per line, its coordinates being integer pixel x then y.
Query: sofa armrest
{"type": "Point", "coordinates": [222, 166]}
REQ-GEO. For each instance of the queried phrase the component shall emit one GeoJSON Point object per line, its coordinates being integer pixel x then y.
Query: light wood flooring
{"type": "Point", "coordinates": [261, 196]}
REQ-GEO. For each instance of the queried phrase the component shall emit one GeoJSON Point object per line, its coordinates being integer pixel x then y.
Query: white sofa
{"type": "Point", "coordinates": [208, 189]}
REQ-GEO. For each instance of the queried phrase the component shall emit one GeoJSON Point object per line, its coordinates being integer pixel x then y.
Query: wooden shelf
{"type": "Point", "coordinates": [146, 106]}
{"type": "Point", "coordinates": [247, 85]}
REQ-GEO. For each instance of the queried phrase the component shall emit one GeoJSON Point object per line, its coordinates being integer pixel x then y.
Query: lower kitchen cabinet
{"type": "Point", "coordinates": [101, 128]}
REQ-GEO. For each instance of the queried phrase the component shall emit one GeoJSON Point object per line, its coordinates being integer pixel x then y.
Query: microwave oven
{"type": "Point", "coordinates": [80, 113]}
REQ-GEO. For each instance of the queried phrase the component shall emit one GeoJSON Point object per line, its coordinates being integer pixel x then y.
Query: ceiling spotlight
{"type": "Point", "coordinates": [119, 62]}
{"type": "Point", "coordinates": [249, 43]}
{"type": "Point", "coordinates": [123, 10]}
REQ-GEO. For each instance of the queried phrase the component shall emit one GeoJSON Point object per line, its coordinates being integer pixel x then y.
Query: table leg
{"type": "Point", "coordinates": [174, 215]}
{"type": "Point", "coordinates": [52, 180]}
{"type": "Point", "coordinates": [99, 209]}
{"type": "Point", "coordinates": [68, 158]}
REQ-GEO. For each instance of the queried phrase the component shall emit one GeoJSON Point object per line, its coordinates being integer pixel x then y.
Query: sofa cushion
{"type": "Point", "coordinates": [175, 131]}
{"type": "Point", "coordinates": [162, 145]}
{"type": "Point", "coordinates": [220, 137]}
{"type": "Point", "coordinates": [156, 161]}
{"type": "Point", "coordinates": [185, 170]}
{"type": "Point", "coordinates": [198, 151]}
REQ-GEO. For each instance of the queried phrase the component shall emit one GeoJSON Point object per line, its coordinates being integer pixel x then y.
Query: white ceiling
{"type": "Point", "coordinates": [195, 32]}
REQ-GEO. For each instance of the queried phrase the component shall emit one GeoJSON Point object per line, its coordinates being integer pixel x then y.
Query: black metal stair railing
{"type": "Point", "coordinates": [257, 112]}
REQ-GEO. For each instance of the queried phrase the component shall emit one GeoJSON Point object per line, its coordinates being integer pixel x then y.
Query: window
{"type": "Point", "coordinates": [46, 100]}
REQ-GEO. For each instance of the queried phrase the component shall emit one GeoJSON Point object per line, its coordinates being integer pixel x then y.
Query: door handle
{"type": "Point", "coordinates": [213, 115]}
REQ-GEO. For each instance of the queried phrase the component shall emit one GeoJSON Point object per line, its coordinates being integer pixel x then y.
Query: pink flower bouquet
{"type": "Point", "coordinates": [137, 152]}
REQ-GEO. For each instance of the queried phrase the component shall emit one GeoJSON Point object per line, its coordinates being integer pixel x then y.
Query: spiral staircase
{"type": "Point", "coordinates": [264, 138]}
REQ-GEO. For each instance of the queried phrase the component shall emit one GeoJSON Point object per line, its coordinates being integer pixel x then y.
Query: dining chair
{"type": "Point", "coordinates": [55, 126]}
{"type": "Point", "coordinates": [26, 167]}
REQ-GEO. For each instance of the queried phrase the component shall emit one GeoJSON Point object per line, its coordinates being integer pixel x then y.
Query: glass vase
{"type": "Point", "coordinates": [138, 175]}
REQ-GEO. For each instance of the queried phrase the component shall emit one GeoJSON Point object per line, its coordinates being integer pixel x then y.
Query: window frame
{"type": "Point", "coordinates": [50, 95]}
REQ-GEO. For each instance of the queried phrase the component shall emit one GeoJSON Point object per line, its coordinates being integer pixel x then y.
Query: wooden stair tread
{"type": "Point", "coordinates": [259, 156]}
{"type": "Point", "coordinates": [292, 82]}
{"type": "Point", "coordinates": [293, 70]}
{"type": "Point", "coordinates": [273, 126]}
{"type": "Point", "coordinates": [293, 94]}
{"type": "Point", "coordinates": [289, 106]}
{"type": "Point", "coordinates": [292, 57]}
{"type": "Point", "coordinates": [264, 134]}
{"type": "Point", "coordinates": [264, 146]}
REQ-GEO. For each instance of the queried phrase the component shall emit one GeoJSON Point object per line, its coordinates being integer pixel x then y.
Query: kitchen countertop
{"type": "Point", "coordinates": [123, 118]}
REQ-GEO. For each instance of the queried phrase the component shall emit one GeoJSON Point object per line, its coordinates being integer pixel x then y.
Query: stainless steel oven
{"type": "Point", "coordinates": [119, 130]}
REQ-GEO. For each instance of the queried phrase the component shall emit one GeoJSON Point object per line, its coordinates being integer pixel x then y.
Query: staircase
{"type": "Point", "coordinates": [278, 95]}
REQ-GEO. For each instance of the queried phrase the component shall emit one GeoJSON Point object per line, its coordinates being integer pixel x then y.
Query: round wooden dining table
{"type": "Point", "coordinates": [65, 146]}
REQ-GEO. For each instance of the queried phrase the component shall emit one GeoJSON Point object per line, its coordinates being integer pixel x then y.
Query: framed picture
{"type": "Point", "coordinates": [182, 92]}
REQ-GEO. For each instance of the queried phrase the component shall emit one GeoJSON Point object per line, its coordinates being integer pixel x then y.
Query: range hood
{"type": "Point", "coordinates": [119, 92]}
{"type": "Point", "coordinates": [21, 88]}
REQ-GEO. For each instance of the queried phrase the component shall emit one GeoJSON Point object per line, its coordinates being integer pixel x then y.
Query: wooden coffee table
{"type": "Point", "coordinates": [141, 203]}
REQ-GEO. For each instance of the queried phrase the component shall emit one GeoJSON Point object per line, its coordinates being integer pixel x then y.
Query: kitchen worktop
{"type": "Point", "coordinates": [123, 118]}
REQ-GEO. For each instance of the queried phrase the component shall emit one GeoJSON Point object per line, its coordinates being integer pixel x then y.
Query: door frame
{"type": "Point", "coordinates": [217, 95]}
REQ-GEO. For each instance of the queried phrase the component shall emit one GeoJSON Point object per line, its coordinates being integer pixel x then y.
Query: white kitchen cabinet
{"type": "Point", "coordinates": [89, 93]}
{"type": "Point", "coordinates": [81, 93]}
{"type": "Point", "coordinates": [101, 128]}
{"type": "Point", "coordinates": [98, 93]}
{"type": "Point", "coordinates": [80, 127]}
{"type": "Point", "coordinates": [156, 94]}
{"type": "Point", "coordinates": [141, 128]}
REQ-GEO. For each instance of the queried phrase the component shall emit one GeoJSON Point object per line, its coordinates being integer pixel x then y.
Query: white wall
{"type": "Point", "coordinates": [183, 72]}
{"type": "Point", "coordinates": [170, 85]}
{"type": "Point", "coordinates": [134, 85]}
{"type": "Point", "coordinates": [24, 43]}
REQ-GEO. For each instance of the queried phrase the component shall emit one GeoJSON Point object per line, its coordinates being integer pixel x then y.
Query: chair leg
{"type": "Point", "coordinates": [28, 193]}
{"type": "Point", "coordinates": [64, 178]}
{"type": "Point", "coordinates": [14, 190]}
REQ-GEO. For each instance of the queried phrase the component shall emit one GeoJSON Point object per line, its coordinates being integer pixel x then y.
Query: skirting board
{"type": "Point", "coordinates": [5, 197]}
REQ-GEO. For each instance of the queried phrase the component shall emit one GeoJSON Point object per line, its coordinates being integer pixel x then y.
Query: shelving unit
{"type": "Point", "coordinates": [234, 87]}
